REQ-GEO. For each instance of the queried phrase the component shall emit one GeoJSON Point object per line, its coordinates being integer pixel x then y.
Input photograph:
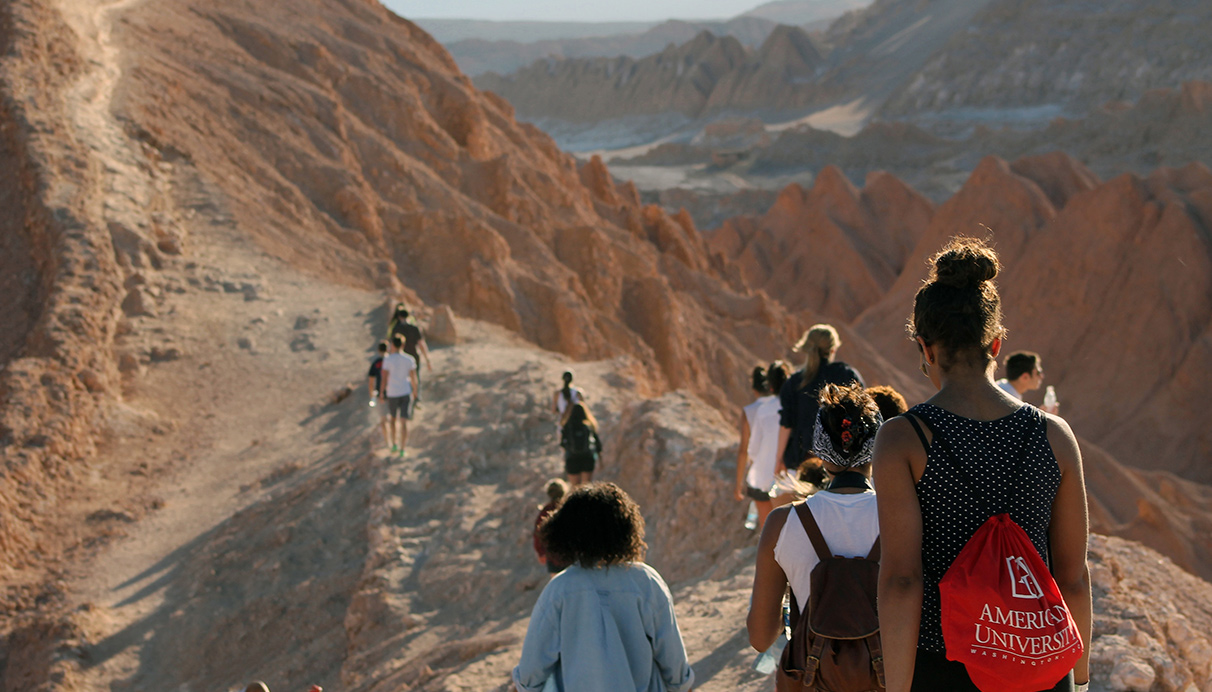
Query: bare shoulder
{"type": "Point", "coordinates": [778, 516]}
{"type": "Point", "coordinates": [1063, 442]}
{"type": "Point", "coordinates": [774, 526]}
{"type": "Point", "coordinates": [896, 435]}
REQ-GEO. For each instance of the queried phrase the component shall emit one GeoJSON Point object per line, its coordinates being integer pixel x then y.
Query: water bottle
{"type": "Point", "coordinates": [768, 660]}
{"type": "Point", "coordinates": [374, 398]}
{"type": "Point", "coordinates": [752, 517]}
{"type": "Point", "coordinates": [1050, 398]}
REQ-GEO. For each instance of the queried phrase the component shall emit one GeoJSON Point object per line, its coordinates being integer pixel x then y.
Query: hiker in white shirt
{"type": "Point", "coordinates": [399, 382]}
{"type": "Point", "coordinates": [1024, 373]}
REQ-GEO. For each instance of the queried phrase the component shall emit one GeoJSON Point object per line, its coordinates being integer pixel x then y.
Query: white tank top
{"type": "Point", "coordinates": [573, 393]}
{"type": "Point", "coordinates": [763, 417]}
{"type": "Point", "coordinates": [849, 523]}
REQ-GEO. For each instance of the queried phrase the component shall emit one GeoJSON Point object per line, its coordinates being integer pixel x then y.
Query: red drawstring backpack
{"type": "Point", "coordinates": [1003, 615]}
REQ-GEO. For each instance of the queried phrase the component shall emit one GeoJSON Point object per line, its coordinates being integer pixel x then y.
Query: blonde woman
{"type": "Point", "coordinates": [800, 394]}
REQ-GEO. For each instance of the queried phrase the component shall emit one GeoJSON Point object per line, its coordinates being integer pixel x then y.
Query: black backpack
{"type": "Point", "coordinates": [580, 439]}
{"type": "Point", "coordinates": [835, 646]}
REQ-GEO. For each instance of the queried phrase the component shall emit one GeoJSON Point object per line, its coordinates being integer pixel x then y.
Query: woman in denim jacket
{"type": "Point", "coordinates": [605, 623]}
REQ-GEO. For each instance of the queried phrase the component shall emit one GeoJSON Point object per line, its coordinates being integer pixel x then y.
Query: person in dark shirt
{"type": "Point", "coordinates": [799, 394]}
{"type": "Point", "coordinates": [414, 341]}
{"type": "Point", "coordinates": [374, 382]}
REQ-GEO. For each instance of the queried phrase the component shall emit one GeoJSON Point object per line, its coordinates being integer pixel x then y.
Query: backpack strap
{"type": "Point", "coordinates": [812, 665]}
{"type": "Point", "coordinates": [814, 531]}
{"type": "Point", "coordinates": [917, 428]}
{"type": "Point", "coordinates": [876, 649]}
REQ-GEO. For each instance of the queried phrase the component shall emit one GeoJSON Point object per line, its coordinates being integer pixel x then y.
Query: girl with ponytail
{"type": "Point", "coordinates": [565, 397]}
{"type": "Point", "coordinates": [799, 395]}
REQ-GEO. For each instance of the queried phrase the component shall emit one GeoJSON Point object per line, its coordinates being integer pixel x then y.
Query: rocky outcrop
{"type": "Point", "coordinates": [706, 75]}
{"type": "Point", "coordinates": [1151, 621]}
{"type": "Point", "coordinates": [58, 273]}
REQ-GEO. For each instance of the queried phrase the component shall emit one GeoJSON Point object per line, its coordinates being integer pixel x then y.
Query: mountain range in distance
{"type": "Point", "coordinates": [946, 65]}
{"type": "Point", "coordinates": [480, 46]}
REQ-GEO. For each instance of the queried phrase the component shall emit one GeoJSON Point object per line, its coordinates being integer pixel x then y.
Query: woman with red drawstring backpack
{"type": "Point", "coordinates": [983, 579]}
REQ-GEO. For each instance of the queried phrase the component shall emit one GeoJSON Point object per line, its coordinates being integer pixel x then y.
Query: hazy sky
{"type": "Point", "coordinates": [573, 11]}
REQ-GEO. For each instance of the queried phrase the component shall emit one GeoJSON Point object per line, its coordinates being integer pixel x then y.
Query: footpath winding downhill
{"type": "Point", "coordinates": [241, 520]}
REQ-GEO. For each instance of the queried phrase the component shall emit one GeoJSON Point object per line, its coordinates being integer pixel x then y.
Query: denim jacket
{"type": "Point", "coordinates": [604, 630]}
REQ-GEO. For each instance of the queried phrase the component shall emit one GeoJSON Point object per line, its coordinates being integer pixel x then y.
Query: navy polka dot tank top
{"type": "Point", "coordinates": [975, 469]}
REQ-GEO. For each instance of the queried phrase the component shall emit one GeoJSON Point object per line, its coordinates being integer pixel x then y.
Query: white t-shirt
{"type": "Point", "coordinates": [763, 417]}
{"type": "Point", "coordinates": [561, 403]}
{"type": "Point", "coordinates": [1009, 388]}
{"type": "Point", "coordinates": [850, 524]}
{"type": "Point", "coordinates": [398, 382]}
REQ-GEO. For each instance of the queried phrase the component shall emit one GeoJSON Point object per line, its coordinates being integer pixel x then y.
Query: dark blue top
{"type": "Point", "coordinates": [975, 469]}
{"type": "Point", "coordinates": [376, 371]}
{"type": "Point", "coordinates": [801, 404]}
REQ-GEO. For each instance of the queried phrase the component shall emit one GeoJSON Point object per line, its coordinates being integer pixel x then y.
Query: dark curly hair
{"type": "Point", "coordinates": [889, 400]}
{"type": "Point", "coordinates": [597, 525]}
{"type": "Point", "coordinates": [958, 306]}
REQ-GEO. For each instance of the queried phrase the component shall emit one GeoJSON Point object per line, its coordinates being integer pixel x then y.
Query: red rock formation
{"type": "Point", "coordinates": [832, 249]}
{"type": "Point", "coordinates": [353, 136]}
{"type": "Point", "coordinates": [1114, 290]}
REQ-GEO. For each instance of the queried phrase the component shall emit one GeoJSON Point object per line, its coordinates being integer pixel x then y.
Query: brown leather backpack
{"type": "Point", "coordinates": [835, 646]}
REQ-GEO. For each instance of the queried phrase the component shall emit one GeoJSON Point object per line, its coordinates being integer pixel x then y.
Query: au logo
{"type": "Point", "coordinates": [1022, 581]}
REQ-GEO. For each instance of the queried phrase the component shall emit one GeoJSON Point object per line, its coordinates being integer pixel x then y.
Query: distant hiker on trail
{"type": "Point", "coordinates": [403, 325]}
{"type": "Point", "coordinates": [759, 428]}
{"type": "Point", "coordinates": [889, 400]}
{"type": "Point", "coordinates": [969, 455]}
{"type": "Point", "coordinates": [582, 448]}
{"type": "Point", "coordinates": [799, 395]}
{"type": "Point", "coordinates": [374, 382]}
{"type": "Point", "coordinates": [565, 397]}
{"type": "Point", "coordinates": [556, 490]}
{"type": "Point", "coordinates": [606, 623]}
{"type": "Point", "coordinates": [843, 514]}
{"type": "Point", "coordinates": [1024, 373]}
{"type": "Point", "coordinates": [399, 382]}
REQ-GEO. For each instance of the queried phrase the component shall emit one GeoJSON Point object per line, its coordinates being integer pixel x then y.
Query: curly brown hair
{"type": "Point", "coordinates": [597, 525]}
{"type": "Point", "coordinates": [889, 400]}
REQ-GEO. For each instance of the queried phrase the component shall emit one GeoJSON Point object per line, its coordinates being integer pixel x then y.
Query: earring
{"type": "Point", "coordinates": [924, 368]}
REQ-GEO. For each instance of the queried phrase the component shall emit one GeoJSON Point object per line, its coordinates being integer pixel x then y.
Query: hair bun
{"type": "Point", "coordinates": [965, 263]}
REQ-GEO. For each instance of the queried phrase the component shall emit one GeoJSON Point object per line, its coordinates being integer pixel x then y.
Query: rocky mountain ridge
{"type": "Point", "coordinates": [1019, 54]}
{"type": "Point", "coordinates": [706, 75]}
{"type": "Point", "coordinates": [477, 56]}
{"type": "Point", "coordinates": [948, 66]}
